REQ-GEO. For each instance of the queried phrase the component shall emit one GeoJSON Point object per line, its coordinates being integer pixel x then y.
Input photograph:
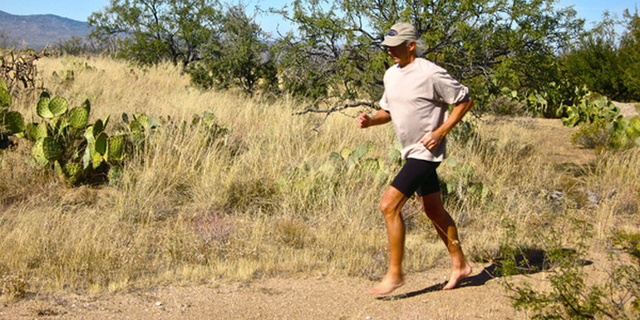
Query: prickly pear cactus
{"type": "Point", "coordinates": [68, 144]}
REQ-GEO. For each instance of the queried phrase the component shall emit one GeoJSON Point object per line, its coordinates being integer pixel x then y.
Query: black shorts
{"type": "Point", "coordinates": [417, 176]}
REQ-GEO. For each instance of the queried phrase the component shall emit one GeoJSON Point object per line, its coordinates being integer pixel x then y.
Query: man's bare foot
{"type": "Point", "coordinates": [387, 285]}
{"type": "Point", "coordinates": [457, 275]}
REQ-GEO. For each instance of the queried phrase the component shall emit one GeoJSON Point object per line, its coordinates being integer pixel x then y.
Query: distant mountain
{"type": "Point", "coordinates": [37, 31]}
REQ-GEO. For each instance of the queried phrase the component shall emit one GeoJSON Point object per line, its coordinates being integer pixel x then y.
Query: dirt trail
{"type": "Point", "coordinates": [308, 297]}
{"type": "Point", "coordinates": [286, 298]}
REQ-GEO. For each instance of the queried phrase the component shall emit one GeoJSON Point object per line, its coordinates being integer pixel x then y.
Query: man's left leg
{"type": "Point", "coordinates": [446, 228]}
{"type": "Point", "coordinates": [391, 205]}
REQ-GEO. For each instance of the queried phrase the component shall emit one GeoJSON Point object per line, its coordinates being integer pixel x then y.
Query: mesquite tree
{"type": "Point", "coordinates": [336, 47]}
{"type": "Point", "coordinates": [151, 31]}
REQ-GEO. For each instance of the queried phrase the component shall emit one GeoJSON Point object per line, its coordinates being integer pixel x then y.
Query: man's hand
{"type": "Point", "coordinates": [363, 120]}
{"type": "Point", "coordinates": [432, 140]}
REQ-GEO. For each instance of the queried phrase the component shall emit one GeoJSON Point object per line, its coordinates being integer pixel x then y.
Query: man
{"type": "Point", "coordinates": [416, 97]}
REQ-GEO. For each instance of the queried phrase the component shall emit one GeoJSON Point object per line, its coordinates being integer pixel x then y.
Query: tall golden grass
{"type": "Point", "coordinates": [265, 202]}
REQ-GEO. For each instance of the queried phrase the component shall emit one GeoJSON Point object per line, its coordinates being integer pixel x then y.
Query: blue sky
{"type": "Point", "coordinates": [591, 10]}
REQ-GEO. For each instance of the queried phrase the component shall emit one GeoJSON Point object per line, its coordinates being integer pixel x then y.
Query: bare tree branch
{"type": "Point", "coordinates": [328, 112]}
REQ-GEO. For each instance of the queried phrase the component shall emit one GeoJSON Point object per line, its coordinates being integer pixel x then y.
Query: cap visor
{"type": "Point", "coordinates": [393, 42]}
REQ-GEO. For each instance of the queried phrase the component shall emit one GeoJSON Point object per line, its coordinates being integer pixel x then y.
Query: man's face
{"type": "Point", "coordinates": [402, 54]}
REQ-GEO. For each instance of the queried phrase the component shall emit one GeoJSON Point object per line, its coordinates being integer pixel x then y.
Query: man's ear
{"type": "Point", "coordinates": [412, 46]}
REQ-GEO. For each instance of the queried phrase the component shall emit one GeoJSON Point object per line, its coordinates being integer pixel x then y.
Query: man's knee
{"type": "Point", "coordinates": [388, 207]}
{"type": "Point", "coordinates": [392, 201]}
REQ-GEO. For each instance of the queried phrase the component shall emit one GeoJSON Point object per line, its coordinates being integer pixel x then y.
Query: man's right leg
{"type": "Point", "coordinates": [392, 202]}
{"type": "Point", "coordinates": [446, 228]}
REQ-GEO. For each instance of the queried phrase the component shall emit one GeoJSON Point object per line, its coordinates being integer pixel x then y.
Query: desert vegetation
{"type": "Point", "coordinates": [268, 197]}
{"type": "Point", "coordinates": [156, 165]}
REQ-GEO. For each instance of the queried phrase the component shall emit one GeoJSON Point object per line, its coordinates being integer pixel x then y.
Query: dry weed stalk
{"type": "Point", "coordinates": [19, 69]}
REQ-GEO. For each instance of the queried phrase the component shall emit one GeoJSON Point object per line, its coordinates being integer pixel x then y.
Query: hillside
{"type": "Point", "coordinates": [37, 31]}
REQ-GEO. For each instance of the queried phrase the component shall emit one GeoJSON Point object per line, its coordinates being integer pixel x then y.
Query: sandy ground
{"type": "Point", "coordinates": [479, 297]}
{"type": "Point", "coordinates": [627, 109]}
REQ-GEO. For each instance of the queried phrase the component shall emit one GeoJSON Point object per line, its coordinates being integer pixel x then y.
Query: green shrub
{"type": "Point", "coordinates": [616, 134]}
{"type": "Point", "coordinates": [571, 296]}
{"type": "Point", "coordinates": [596, 135]}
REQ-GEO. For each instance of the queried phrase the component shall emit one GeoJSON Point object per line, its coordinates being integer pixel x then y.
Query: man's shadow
{"type": "Point", "coordinates": [529, 261]}
{"type": "Point", "coordinates": [472, 281]}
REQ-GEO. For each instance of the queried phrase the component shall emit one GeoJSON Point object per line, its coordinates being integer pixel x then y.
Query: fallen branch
{"type": "Point", "coordinates": [328, 112]}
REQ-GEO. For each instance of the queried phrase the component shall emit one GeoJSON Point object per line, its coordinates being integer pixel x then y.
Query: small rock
{"type": "Point", "coordinates": [556, 195]}
{"type": "Point", "coordinates": [594, 198]}
{"type": "Point", "coordinates": [158, 303]}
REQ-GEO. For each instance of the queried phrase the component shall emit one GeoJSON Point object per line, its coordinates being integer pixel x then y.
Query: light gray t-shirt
{"type": "Point", "coordinates": [417, 96]}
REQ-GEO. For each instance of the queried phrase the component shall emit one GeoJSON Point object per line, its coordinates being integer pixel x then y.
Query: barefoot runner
{"type": "Point", "coordinates": [417, 96]}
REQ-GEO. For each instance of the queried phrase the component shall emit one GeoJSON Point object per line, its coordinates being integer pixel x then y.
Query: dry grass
{"type": "Point", "coordinates": [267, 201]}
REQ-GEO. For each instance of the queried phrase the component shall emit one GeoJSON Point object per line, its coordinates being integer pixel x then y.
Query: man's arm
{"type": "Point", "coordinates": [381, 117]}
{"type": "Point", "coordinates": [432, 139]}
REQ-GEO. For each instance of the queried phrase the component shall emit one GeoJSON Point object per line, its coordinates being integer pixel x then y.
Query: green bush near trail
{"type": "Point", "coordinates": [601, 134]}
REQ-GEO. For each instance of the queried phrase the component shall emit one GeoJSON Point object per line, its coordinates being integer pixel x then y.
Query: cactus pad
{"type": "Point", "coordinates": [345, 152]}
{"type": "Point", "coordinates": [87, 158]}
{"type": "Point", "coordinates": [52, 149]}
{"type": "Point", "coordinates": [98, 127]}
{"type": "Point", "coordinates": [101, 143]}
{"type": "Point", "coordinates": [359, 152]}
{"type": "Point", "coordinates": [72, 171]}
{"type": "Point", "coordinates": [57, 169]}
{"type": "Point", "coordinates": [97, 160]}
{"type": "Point", "coordinates": [87, 105]}
{"type": "Point", "coordinates": [335, 157]}
{"type": "Point", "coordinates": [5, 98]}
{"type": "Point", "coordinates": [78, 117]}
{"type": "Point", "coordinates": [114, 174]}
{"type": "Point", "coordinates": [635, 124]}
{"type": "Point", "coordinates": [373, 164]}
{"type": "Point", "coordinates": [115, 148]}
{"type": "Point", "coordinates": [13, 122]}
{"type": "Point", "coordinates": [32, 132]}
{"type": "Point", "coordinates": [38, 153]}
{"type": "Point", "coordinates": [58, 106]}
{"type": "Point", "coordinates": [135, 126]}
{"type": "Point", "coordinates": [42, 109]}
{"type": "Point", "coordinates": [88, 134]}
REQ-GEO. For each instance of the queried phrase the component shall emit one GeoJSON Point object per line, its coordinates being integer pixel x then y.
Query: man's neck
{"type": "Point", "coordinates": [408, 62]}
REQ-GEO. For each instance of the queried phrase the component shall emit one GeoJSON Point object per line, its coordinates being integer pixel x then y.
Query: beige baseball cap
{"type": "Point", "coordinates": [399, 33]}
